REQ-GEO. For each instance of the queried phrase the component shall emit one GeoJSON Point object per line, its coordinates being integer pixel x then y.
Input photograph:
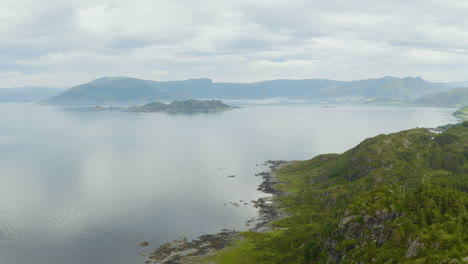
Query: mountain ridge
{"type": "Point", "coordinates": [454, 97]}
{"type": "Point", "coordinates": [126, 89]}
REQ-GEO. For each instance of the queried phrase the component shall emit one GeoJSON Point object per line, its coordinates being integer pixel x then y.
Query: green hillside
{"type": "Point", "coordinates": [462, 113]}
{"type": "Point", "coordinates": [455, 97]}
{"type": "Point", "coordinates": [398, 198]}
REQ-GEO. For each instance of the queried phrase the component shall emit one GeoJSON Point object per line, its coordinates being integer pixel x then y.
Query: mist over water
{"type": "Point", "coordinates": [88, 187]}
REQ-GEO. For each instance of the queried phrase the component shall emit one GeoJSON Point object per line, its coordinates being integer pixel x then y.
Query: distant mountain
{"type": "Point", "coordinates": [273, 88]}
{"type": "Point", "coordinates": [456, 84]}
{"type": "Point", "coordinates": [123, 89]}
{"type": "Point", "coordinates": [454, 97]}
{"type": "Point", "coordinates": [127, 90]}
{"type": "Point", "coordinates": [28, 94]}
{"type": "Point", "coordinates": [387, 88]}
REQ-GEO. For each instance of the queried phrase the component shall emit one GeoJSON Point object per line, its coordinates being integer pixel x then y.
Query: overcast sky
{"type": "Point", "coordinates": [66, 42]}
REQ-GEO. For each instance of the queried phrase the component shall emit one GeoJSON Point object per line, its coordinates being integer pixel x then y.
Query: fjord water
{"type": "Point", "coordinates": [88, 187]}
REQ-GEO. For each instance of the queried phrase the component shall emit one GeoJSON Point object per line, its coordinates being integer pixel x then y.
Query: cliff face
{"type": "Point", "coordinates": [398, 198]}
{"type": "Point", "coordinates": [360, 230]}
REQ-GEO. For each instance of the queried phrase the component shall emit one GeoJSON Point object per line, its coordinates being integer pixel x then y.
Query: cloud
{"type": "Point", "coordinates": [64, 43]}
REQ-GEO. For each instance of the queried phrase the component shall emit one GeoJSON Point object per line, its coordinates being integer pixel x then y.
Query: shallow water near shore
{"type": "Point", "coordinates": [88, 187]}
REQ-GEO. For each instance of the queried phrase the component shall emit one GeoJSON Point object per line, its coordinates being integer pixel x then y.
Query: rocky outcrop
{"type": "Point", "coordinates": [355, 231]}
{"type": "Point", "coordinates": [413, 248]}
{"type": "Point", "coordinates": [177, 251]}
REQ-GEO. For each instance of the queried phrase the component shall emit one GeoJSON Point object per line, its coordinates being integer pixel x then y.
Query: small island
{"type": "Point", "coordinates": [462, 113]}
{"type": "Point", "coordinates": [187, 106]}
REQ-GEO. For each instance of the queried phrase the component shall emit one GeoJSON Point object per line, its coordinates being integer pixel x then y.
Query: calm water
{"type": "Point", "coordinates": [88, 187]}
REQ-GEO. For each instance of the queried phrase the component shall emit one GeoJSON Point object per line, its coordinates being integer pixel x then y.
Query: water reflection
{"type": "Point", "coordinates": [88, 187]}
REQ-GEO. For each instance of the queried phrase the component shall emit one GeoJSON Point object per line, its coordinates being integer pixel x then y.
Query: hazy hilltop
{"type": "Point", "coordinates": [126, 90]}
{"type": "Point", "coordinates": [454, 97]}
{"type": "Point", "coordinates": [28, 94]}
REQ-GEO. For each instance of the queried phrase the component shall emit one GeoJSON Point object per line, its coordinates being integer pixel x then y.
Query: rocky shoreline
{"type": "Point", "coordinates": [268, 208]}
{"type": "Point", "coordinates": [185, 252]}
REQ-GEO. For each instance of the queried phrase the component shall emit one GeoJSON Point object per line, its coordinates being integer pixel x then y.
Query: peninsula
{"type": "Point", "coordinates": [397, 198]}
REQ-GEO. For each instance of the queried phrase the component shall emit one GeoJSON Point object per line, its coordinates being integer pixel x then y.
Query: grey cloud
{"type": "Point", "coordinates": [63, 43]}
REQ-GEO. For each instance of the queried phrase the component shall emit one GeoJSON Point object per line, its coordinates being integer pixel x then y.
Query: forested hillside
{"type": "Point", "coordinates": [398, 198]}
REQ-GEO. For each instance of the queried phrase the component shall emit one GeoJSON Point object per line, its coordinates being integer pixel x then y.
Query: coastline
{"type": "Point", "coordinates": [184, 251]}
